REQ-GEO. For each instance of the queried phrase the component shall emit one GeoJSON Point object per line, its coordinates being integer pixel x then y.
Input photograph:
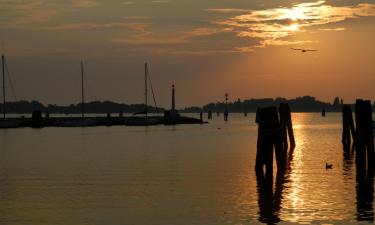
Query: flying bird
{"type": "Point", "coordinates": [304, 50]}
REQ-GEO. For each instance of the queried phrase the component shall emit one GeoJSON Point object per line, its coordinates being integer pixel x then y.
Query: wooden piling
{"type": "Point", "coordinates": [365, 137]}
{"type": "Point", "coordinates": [36, 119]}
{"type": "Point", "coordinates": [348, 128]}
{"type": "Point", "coordinates": [269, 139]}
{"type": "Point", "coordinates": [286, 126]}
{"type": "Point", "coordinates": [209, 114]}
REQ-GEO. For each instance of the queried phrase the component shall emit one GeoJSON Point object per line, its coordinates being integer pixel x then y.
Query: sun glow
{"type": "Point", "coordinates": [294, 27]}
{"type": "Point", "coordinates": [273, 26]}
{"type": "Point", "coordinates": [296, 13]}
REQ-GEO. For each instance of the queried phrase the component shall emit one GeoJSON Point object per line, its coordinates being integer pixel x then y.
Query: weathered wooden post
{"type": "Point", "coordinates": [286, 126]}
{"type": "Point", "coordinates": [226, 113]}
{"type": "Point", "coordinates": [36, 119]}
{"type": "Point", "coordinates": [201, 116]}
{"type": "Point", "coordinates": [269, 138]}
{"type": "Point", "coordinates": [365, 137]}
{"type": "Point", "coordinates": [210, 114]}
{"type": "Point", "coordinates": [323, 112]}
{"type": "Point", "coordinates": [347, 126]}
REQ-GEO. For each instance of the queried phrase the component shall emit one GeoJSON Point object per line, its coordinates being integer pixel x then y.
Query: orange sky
{"type": "Point", "coordinates": [205, 47]}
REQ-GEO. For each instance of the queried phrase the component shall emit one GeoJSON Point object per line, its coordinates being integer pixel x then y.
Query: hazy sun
{"type": "Point", "coordinates": [293, 27]}
{"type": "Point", "coordinates": [296, 13]}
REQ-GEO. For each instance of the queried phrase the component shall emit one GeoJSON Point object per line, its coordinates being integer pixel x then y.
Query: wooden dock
{"type": "Point", "coordinates": [39, 122]}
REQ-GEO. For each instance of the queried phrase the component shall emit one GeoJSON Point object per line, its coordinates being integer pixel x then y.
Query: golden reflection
{"type": "Point", "coordinates": [294, 193]}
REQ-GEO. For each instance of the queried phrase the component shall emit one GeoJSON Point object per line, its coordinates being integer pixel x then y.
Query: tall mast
{"type": "Point", "coordinates": [146, 72]}
{"type": "Point", "coordinates": [3, 68]}
{"type": "Point", "coordinates": [173, 99]}
{"type": "Point", "coordinates": [83, 92]}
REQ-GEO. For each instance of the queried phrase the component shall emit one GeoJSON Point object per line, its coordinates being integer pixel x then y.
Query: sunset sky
{"type": "Point", "coordinates": [205, 47]}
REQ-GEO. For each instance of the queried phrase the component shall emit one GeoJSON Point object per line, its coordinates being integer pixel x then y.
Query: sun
{"type": "Point", "coordinates": [296, 13]}
{"type": "Point", "coordinates": [293, 27]}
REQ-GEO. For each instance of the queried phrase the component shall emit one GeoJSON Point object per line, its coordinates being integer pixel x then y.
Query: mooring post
{"type": "Point", "coordinates": [210, 114]}
{"type": "Point", "coordinates": [269, 139]}
{"type": "Point", "coordinates": [286, 126]}
{"type": "Point", "coordinates": [201, 116]}
{"type": "Point", "coordinates": [36, 119]}
{"type": "Point", "coordinates": [226, 113]}
{"type": "Point", "coordinates": [365, 137]}
{"type": "Point", "coordinates": [348, 128]}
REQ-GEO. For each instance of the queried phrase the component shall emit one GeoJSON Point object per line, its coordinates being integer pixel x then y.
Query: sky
{"type": "Point", "coordinates": [205, 47]}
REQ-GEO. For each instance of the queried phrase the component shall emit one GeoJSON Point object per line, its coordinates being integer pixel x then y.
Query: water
{"type": "Point", "coordinates": [188, 174]}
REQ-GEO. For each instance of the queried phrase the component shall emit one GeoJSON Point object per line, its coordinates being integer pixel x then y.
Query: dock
{"type": "Point", "coordinates": [95, 121]}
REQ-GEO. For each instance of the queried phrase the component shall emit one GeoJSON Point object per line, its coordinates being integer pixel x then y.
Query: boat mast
{"type": "Point", "coordinates": [146, 71]}
{"type": "Point", "coordinates": [83, 92]}
{"type": "Point", "coordinates": [3, 68]}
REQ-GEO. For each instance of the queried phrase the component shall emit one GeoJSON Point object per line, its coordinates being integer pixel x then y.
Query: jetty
{"type": "Point", "coordinates": [36, 121]}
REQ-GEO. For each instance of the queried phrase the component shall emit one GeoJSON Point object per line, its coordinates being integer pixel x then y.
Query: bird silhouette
{"type": "Point", "coordinates": [304, 50]}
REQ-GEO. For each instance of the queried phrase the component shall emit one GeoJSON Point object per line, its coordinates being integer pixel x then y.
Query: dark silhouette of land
{"type": "Point", "coordinates": [90, 107]}
{"type": "Point", "coordinates": [299, 104]}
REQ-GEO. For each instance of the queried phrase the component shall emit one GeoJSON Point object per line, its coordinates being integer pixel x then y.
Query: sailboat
{"type": "Point", "coordinates": [145, 120]}
{"type": "Point", "coordinates": [79, 122]}
{"type": "Point", "coordinates": [6, 123]}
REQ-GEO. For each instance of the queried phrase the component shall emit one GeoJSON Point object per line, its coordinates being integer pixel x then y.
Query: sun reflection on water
{"type": "Point", "coordinates": [296, 171]}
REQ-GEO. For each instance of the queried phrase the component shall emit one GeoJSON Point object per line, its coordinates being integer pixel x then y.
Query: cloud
{"type": "Point", "coordinates": [84, 3]}
{"type": "Point", "coordinates": [128, 3]}
{"type": "Point", "coordinates": [89, 25]}
{"type": "Point", "coordinates": [333, 29]}
{"type": "Point", "coordinates": [272, 26]}
{"type": "Point", "coordinates": [25, 13]}
{"type": "Point", "coordinates": [148, 38]}
{"type": "Point", "coordinates": [229, 11]}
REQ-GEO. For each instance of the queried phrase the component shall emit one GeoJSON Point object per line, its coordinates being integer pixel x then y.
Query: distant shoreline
{"type": "Point", "coordinates": [299, 104]}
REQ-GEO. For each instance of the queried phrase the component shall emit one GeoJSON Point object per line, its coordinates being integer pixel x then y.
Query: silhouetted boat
{"type": "Point", "coordinates": [82, 122]}
{"type": "Point", "coordinates": [75, 123]}
{"type": "Point", "coordinates": [7, 123]}
{"type": "Point", "coordinates": [142, 121]}
{"type": "Point", "coordinates": [145, 120]}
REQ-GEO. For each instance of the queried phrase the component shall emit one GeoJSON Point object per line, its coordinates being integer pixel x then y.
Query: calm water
{"type": "Point", "coordinates": [188, 174]}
